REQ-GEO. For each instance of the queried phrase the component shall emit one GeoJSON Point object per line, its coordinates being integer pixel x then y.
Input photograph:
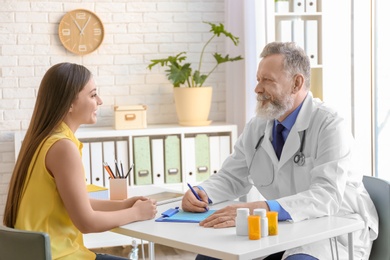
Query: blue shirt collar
{"type": "Point", "coordinates": [290, 119]}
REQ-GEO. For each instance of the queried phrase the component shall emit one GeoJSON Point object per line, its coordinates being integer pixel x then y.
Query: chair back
{"type": "Point", "coordinates": [379, 191]}
{"type": "Point", "coordinates": [21, 244]}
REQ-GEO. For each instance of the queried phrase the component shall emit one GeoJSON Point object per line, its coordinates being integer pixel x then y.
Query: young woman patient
{"type": "Point", "coordinates": [47, 190]}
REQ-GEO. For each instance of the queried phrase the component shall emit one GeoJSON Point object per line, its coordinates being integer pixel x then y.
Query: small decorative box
{"type": "Point", "coordinates": [130, 117]}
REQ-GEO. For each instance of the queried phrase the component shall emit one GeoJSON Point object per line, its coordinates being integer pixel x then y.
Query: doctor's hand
{"type": "Point", "coordinates": [226, 217]}
{"type": "Point", "coordinates": [222, 218]}
{"type": "Point", "coordinates": [192, 204]}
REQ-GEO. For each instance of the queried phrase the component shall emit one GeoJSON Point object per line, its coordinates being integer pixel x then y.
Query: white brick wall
{"type": "Point", "coordinates": [135, 32]}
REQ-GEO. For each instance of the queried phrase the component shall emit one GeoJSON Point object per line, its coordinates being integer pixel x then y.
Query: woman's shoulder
{"type": "Point", "coordinates": [61, 139]}
{"type": "Point", "coordinates": [62, 132]}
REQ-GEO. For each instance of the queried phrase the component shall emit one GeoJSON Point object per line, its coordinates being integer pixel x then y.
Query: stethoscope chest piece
{"type": "Point", "coordinates": [299, 159]}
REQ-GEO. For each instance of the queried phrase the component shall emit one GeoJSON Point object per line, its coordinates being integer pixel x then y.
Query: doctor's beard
{"type": "Point", "coordinates": [273, 109]}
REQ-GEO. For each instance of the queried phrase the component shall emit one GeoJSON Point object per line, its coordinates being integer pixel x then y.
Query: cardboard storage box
{"type": "Point", "coordinates": [130, 117]}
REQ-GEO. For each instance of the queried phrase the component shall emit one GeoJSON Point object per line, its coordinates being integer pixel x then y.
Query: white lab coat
{"type": "Point", "coordinates": [325, 185]}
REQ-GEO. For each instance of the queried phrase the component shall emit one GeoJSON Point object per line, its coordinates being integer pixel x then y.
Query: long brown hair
{"type": "Point", "coordinates": [59, 87]}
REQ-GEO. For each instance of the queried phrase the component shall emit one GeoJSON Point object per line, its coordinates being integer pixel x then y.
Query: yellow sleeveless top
{"type": "Point", "coordinates": [41, 207]}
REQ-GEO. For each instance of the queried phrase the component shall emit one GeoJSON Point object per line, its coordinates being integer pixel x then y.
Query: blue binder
{"type": "Point", "coordinates": [178, 215]}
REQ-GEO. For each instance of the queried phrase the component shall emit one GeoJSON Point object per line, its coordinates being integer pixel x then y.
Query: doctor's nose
{"type": "Point", "coordinates": [259, 88]}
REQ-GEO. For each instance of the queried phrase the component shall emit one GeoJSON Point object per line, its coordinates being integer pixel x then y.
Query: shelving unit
{"type": "Point", "coordinates": [182, 154]}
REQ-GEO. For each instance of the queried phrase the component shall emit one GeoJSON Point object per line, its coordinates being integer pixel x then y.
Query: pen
{"type": "Point", "coordinates": [108, 170]}
{"type": "Point", "coordinates": [131, 167]}
{"type": "Point", "coordinates": [196, 194]}
{"type": "Point", "coordinates": [117, 169]}
{"type": "Point", "coordinates": [123, 175]}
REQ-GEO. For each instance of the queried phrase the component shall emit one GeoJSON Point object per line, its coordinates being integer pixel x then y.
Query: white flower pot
{"type": "Point", "coordinates": [193, 105]}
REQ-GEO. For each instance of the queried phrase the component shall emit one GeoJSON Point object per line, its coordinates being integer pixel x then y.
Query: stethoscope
{"type": "Point", "coordinates": [299, 157]}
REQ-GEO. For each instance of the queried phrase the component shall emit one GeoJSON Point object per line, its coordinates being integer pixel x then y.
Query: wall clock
{"type": "Point", "coordinates": [81, 31]}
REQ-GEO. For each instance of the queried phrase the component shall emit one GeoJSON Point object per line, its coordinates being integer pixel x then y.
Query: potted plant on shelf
{"type": "Point", "coordinates": [192, 99]}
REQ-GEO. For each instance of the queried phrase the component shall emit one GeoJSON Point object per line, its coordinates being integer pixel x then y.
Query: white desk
{"type": "Point", "coordinates": [225, 244]}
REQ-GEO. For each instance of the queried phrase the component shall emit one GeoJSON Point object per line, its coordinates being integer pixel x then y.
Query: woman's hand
{"type": "Point", "coordinates": [145, 209]}
{"type": "Point", "coordinates": [131, 201]}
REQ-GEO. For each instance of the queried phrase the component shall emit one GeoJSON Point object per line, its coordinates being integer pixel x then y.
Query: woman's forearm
{"type": "Point", "coordinates": [107, 205]}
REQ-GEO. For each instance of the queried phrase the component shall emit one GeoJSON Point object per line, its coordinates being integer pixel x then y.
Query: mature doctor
{"type": "Point", "coordinates": [313, 176]}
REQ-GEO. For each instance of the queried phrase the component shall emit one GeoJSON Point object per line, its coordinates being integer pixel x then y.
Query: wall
{"type": "Point", "coordinates": [135, 32]}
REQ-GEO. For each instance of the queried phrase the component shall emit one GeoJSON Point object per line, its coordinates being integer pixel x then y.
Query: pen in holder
{"type": "Point", "coordinates": [118, 189]}
{"type": "Point", "coordinates": [118, 181]}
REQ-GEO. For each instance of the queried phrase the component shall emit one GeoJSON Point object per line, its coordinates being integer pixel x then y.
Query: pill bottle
{"type": "Point", "coordinates": [272, 223]}
{"type": "Point", "coordinates": [254, 229]}
{"type": "Point", "coordinates": [263, 221]}
{"type": "Point", "coordinates": [242, 221]}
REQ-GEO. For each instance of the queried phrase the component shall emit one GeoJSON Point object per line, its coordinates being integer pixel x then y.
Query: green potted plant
{"type": "Point", "coordinates": [186, 81]}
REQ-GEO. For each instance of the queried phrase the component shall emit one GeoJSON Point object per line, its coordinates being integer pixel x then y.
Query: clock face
{"type": "Point", "coordinates": [81, 31]}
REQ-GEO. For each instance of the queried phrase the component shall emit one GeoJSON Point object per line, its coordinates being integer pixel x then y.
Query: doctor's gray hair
{"type": "Point", "coordinates": [295, 59]}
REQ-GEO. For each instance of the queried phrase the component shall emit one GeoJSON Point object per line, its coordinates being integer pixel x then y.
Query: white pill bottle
{"type": "Point", "coordinates": [242, 222]}
{"type": "Point", "coordinates": [263, 221]}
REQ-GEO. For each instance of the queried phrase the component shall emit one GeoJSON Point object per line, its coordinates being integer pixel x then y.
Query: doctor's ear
{"type": "Point", "coordinates": [298, 81]}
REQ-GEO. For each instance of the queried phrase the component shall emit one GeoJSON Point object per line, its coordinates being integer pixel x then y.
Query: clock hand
{"type": "Point", "coordinates": [85, 25]}
{"type": "Point", "coordinates": [74, 20]}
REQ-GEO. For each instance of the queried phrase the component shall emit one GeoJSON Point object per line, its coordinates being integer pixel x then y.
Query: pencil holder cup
{"type": "Point", "coordinates": [118, 189]}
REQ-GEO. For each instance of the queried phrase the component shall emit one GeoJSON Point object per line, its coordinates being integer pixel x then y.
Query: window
{"type": "Point", "coordinates": [381, 87]}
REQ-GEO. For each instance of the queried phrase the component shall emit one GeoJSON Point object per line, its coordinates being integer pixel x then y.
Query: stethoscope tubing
{"type": "Point", "coordinates": [299, 157]}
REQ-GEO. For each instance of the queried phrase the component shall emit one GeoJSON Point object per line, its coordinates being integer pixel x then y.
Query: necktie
{"type": "Point", "coordinates": [279, 142]}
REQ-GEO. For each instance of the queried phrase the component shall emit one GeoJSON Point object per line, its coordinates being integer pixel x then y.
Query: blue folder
{"type": "Point", "coordinates": [178, 215]}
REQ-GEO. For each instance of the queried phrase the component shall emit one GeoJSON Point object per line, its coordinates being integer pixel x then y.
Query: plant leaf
{"type": "Point", "coordinates": [218, 57]}
{"type": "Point", "coordinates": [173, 60]}
{"type": "Point", "coordinates": [178, 74]}
{"type": "Point", "coordinates": [220, 29]}
{"type": "Point", "coordinates": [198, 78]}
